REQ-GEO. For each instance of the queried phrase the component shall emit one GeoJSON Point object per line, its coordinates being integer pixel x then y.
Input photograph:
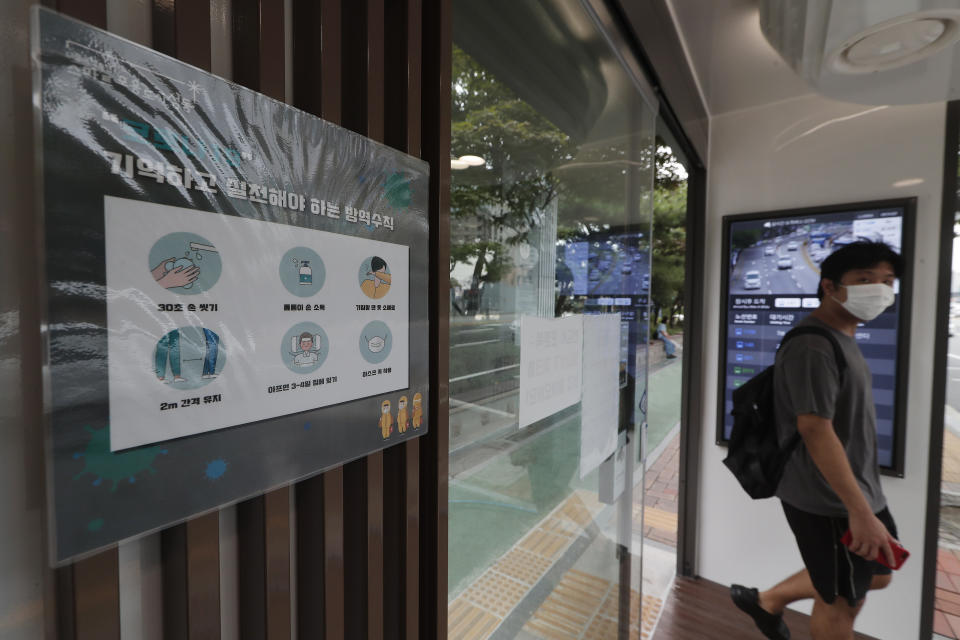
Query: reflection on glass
{"type": "Point", "coordinates": [551, 199]}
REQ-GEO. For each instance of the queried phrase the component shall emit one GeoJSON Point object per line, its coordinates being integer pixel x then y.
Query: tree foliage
{"type": "Point", "coordinates": [531, 165]}
{"type": "Point", "coordinates": [509, 193]}
{"type": "Point", "coordinates": [669, 235]}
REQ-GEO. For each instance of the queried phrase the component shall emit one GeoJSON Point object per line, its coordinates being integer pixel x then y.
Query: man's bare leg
{"type": "Point", "coordinates": [799, 587]}
{"type": "Point", "coordinates": [796, 587]}
{"type": "Point", "coordinates": [833, 621]}
{"type": "Point", "coordinates": [828, 621]}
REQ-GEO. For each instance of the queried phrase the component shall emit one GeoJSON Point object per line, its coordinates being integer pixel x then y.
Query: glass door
{"type": "Point", "coordinates": [551, 217]}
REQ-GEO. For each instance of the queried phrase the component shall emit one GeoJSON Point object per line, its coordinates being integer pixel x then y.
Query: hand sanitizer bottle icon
{"type": "Point", "coordinates": [306, 273]}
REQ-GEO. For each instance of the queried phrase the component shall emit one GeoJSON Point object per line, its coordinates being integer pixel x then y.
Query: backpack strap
{"type": "Point", "coordinates": [826, 333]}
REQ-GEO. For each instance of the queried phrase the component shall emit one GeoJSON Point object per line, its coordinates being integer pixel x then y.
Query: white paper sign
{"type": "Point", "coordinates": [600, 408]}
{"type": "Point", "coordinates": [218, 320]}
{"type": "Point", "coordinates": [550, 366]}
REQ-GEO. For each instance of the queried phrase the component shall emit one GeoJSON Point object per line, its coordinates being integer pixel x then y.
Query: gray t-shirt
{"type": "Point", "coordinates": [807, 381]}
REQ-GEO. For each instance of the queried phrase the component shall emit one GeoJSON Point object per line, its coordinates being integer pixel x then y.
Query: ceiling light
{"type": "Point", "coordinates": [473, 161]}
{"type": "Point", "coordinates": [898, 42]}
{"type": "Point", "coordinates": [908, 182]}
{"type": "Point", "coordinates": [458, 164]}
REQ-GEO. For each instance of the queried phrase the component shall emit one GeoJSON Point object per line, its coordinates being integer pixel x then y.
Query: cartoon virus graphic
{"type": "Point", "coordinates": [95, 525]}
{"type": "Point", "coordinates": [100, 463]}
{"type": "Point", "coordinates": [215, 469]}
{"type": "Point", "coordinates": [307, 426]}
{"type": "Point", "coordinates": [397, 190]}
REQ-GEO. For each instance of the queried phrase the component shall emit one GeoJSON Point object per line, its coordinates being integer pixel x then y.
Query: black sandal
{"type": "Point", "coordinates": [748, 601]}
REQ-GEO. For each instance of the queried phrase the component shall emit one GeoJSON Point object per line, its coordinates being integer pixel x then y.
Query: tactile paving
{"type": "Point", "coordinates": [468, 622]}
{"type": "Point", "coordinates": [523, 566]}
{"type": "Point", "coordinates": [496, 593]}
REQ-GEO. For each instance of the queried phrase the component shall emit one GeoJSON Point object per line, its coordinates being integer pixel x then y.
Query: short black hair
{"type": "Point", "coordinates": [377, 263]}
{"type": "Point", "coordinates": [858, 255]}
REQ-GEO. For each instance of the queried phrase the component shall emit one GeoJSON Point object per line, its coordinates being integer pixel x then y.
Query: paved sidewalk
{"type": "Point", "coordinates": [662, 485]}
{"type": "Point", "coordinates": [946, 616]}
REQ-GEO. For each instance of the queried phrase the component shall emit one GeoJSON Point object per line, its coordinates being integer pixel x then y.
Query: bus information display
{"type": "Point", "coordinates": [771, 281]}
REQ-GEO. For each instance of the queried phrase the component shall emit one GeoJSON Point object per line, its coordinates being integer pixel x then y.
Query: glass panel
{"type": "Point", "coordinates": [551, 207]}
{"type": "Point", "coordinates": [948, 553]}
{"type": "Point", "coordinates": [661, 462]}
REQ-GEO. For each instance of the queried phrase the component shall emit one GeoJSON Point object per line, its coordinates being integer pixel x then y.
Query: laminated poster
{"type": "Point", "coordinates": [236, 289]}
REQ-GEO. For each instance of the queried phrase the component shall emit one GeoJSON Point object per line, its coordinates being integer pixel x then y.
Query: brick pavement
{"type": "Point", "coordinates": [946, 615]}
{"type": "Point", "coordinates": [662, 485]}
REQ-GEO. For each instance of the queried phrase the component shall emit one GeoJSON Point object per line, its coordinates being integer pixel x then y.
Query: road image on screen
{"type": "Point", "coordinates": [773, 274]}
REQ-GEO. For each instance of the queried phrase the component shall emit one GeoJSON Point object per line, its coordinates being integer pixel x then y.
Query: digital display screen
{"type": "Point", "coordinates": [611, 265]}
{"type": "Point", "coordinates": [771, 280]}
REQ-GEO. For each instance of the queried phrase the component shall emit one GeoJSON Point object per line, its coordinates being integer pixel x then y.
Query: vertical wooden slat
{"type": "Point", "coordinates": [277, 557]}
{"type": "Point", "coordinates": [355, 519]}
{"type": "Point", "coordinates": [376, 106]}
{"type": "Point", "coordinates": [263, 523]}
{"type": "Point", "coordinates": [362, 109]}
{"type": "Point", "coordinates": [91, 11]}
{"type": "Point", "coordinates": [191, 578]}
{"type": "Point", "coordinates": [190, 551]}
{"type": "Point", "coordinates": [263, 540]}
{"type": "Point", "coordinates": [333, 556]}
{"type": "Point", "coordinates": [88, 591]}
{"type": "Point", "coordinates": [414, 574]}
{"type": "Point", "coordinates": [355, 545]}
{"type": "Point", "coordinates": [412, 538]}
{"type": "Point", "coordinates": [394, 523]}
{"type": "Point", "coordinates": [258, 46]}
{"type": "Point", "coordinates": [320, 543]}
{"type": "Point", "coordinates": [182, 29]}
{"type": "Point", "coordinates": [402, 571]}
{"type": "Point", "coordinates": [375, 586]}
{"type": "Point", "coordinates": [434, 462]}
{"type": "Point", "coordinates": [310, 555]}
{"type": "Point", "coordinates": [93, 610]}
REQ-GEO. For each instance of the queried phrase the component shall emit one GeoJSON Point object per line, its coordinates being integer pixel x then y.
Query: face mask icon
{"type": "Point", "coordinates": [376, 343]}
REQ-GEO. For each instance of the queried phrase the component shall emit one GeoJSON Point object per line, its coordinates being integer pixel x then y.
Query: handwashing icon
{"type": "Point", "coordinates": [185, 272]}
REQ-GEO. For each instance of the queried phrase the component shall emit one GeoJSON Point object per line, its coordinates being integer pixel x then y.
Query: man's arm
{"type": "Point", "coordinates": [869, 534]}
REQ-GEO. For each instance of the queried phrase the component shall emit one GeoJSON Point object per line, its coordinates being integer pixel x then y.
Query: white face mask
{"type": "Point", "coordinates": [376, 344]}
{"type": "Point", "coordinates": [867, 301]}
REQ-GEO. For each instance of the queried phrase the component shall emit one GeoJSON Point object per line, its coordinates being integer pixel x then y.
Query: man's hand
{"type": "Point", "coordinates": [870, 537]}
{"type": "Point", "coordinates": [158, 271]}
{"type": "Point", "coordinates": [178, 277]}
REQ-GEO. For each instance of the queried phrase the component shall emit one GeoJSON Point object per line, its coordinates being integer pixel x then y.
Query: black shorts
{"type": "Point", "coordinates": [834, 569]}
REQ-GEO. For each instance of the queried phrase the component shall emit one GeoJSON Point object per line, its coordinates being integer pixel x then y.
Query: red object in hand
{"type": "Point", "coordinates": [900, 554]}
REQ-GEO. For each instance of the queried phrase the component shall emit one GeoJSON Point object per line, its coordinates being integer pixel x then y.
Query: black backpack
{"type": "Point", "coordinates": [754, 454]}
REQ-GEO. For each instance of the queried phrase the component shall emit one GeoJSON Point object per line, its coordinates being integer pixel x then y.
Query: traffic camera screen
{"type": "Point", "coordinates": [771, 280]}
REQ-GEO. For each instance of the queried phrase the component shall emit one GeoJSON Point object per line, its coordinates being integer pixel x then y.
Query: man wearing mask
{"type": "Point", "coordinates": [832, 481]}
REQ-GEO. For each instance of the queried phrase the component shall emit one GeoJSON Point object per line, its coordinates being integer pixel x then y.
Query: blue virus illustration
{"type": "Point", "coordinates": [397, 190]}
{"type": "Point", "coordinates": [102, 464]}
{"type": "Point", "coordinates": [306, 426]}
{"type": "Point", "coordinates": [215, 469]}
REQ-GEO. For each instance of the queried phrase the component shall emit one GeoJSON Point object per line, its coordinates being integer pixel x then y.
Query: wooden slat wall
{"type": "Point", "coordinates": [88, 591]}
{"type": "Point", "coordinates": [381, 521]}
{"type": "Point", "coordinates": [190, 551]}
{"type": "Point", "coordinates": [437, 51]}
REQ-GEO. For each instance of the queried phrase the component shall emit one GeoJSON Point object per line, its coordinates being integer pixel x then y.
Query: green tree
{"type": "Point", "coordinates": [669, 248]}
{"type": "Point", "coordinates": [510, 193]}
